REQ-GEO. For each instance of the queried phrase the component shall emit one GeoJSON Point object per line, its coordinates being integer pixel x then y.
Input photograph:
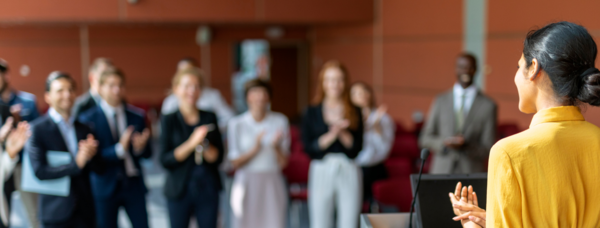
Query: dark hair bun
{"type": "Point", "coordinates": [567, 53]}
{"type": "Point", "coordinates": [590, 88]}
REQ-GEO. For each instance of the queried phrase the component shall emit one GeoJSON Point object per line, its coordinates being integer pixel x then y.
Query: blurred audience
{"type": "Point", "coordinates": [22, 107]}
{"type": "Point", "coordinates": [461, 127]}
{"type": "Point", "coordinates": [378, 137]}
{"type": "Point", "coordinates": [91, 98]}
{"type": "Point", "coordinates": [332, 133]}
{"type": "Point", "coordinates": [210, 99]}
{"type": "Point", "coordinates": [122, 142]}
{"type": "Point", "coordinates": [59, 132]}
{"type": "Point", "coordinates": [259, 144]}
{"type": "Point", "coordinates": [191, 150]}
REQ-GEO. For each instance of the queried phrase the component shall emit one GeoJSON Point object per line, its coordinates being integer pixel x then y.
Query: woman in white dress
{"type": "Point", "coordinates": [258, 144]}
{"type": "Point", "coordinates": [378, 137]}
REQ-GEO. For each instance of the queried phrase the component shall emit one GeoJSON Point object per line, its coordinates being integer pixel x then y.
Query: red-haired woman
{"type": "Point", "coordinates": [332, 132]}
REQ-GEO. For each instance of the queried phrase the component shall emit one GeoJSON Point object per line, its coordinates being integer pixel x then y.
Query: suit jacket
{"type": "Point", "coordinates": [83, 103]}
{"type": "Point", "coordinates": [479, 131]}
{"type": "Point", "coordinates": [104, 184]}
{"type": "Point", "coordinates": [45, 137]}
{"type": "Point", "coordinates": [179, 174]}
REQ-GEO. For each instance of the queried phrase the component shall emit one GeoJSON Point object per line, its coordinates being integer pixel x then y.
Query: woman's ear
{"type": "Point", "coordinates": [534, 70]}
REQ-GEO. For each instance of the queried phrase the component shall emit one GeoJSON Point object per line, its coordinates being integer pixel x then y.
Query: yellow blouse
{"type": "Point", "coordinates": [546, 176]}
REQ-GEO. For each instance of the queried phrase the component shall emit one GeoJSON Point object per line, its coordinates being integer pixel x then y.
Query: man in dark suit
{"type": "Point", "coordinates": [58, 131]}
{"type": "Point", "coordinates": [123, 141]}
{"type": "Point", "coordinates": [92, 98]}
{"type": "Point", "coordinates": [461, 127]}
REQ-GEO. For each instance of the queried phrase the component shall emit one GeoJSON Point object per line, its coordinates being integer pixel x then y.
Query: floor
{"type": "Point", "coordinates": [157, 211]}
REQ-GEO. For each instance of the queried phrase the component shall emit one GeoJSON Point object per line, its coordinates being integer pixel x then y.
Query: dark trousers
{"type": "Point", "coordinates": [202, 202]}
{"type": "Point", "coordinates": [80, 219]}
{"type": "Point", "coordinates": [370, 176]}
{"type": "Point", "coordinates": [129, 194]}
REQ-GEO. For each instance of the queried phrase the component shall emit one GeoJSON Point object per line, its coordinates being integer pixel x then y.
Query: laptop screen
{"type": "Point", "coordinates": [433, 208]}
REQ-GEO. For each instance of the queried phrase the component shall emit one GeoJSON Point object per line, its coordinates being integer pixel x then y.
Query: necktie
{"type": "Point", "coordinates": [129, 166]}
{"type": "Point", "coordinates": [460, 115]}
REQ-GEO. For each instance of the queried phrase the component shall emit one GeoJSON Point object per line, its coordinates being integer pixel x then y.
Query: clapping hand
{"type": "Point", "coordinates": [87, 150]}
{"type": "Point", "coordinates": [277, 139]}
{"type": "Point", "coordinates": [17, 138]}
{"type": "Point", "coordinates": [126, 138]}
{"type": "Point", "coordinates": [339, 126]}
{"type": "Point", "coordinates": [139, 141]}
{"type": "Point", "coordinates": [466, 207]}
{"type": "Point", "coordinates": [199, 135]}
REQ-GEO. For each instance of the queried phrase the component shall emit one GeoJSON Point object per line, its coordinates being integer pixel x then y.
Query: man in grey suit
{"type": "Point", "coordinates": [461, 127]}
{"type": "Point", "coordinates": [91, 98]}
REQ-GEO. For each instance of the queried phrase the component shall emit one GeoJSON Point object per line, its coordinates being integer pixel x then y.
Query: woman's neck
{"type": "Point", "coordinates": [332, 101]}
{"type": "Point", "coordinates": [189, 113]}
{"type": "Point", "coordinates": [258, 114]}
{"type": "Point", "coordinates": [547, 100]}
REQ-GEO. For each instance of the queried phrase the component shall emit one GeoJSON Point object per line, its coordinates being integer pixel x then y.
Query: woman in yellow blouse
{"type": "Point", "coordinates": [548, 175]}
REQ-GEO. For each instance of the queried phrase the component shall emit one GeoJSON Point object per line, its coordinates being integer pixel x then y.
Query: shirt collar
{"type": "Point", "coordinates": [250, 118]}
{"type": "Point", "coordinates": [557, 114]}
{"type": "Point", "coordinates": [110, 110]}
{"type": "Point", "coordinates": [57, 118]}
{"type": "Point", "coordinates": [469, 91]}
{"type": "Point", "coordinates": [95, 96]}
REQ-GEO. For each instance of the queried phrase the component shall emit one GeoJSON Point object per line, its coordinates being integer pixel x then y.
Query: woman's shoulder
{"type": "Point", "coordinates": [209, 114]}
{"type": "Point", "coordinates": [277, 116]}
{"type": "Point", "coordinates": [170, 117]}
{"type": "Point", "coordinates": [313, 107]}
{"type": "Point", "coordinates": [515, 144]}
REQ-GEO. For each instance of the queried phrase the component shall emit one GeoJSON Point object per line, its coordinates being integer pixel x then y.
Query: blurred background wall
{"type": "Point", "coordinates": [405, 49]}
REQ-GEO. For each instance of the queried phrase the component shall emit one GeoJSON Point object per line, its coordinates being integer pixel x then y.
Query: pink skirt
{"type": "Point", "coordinates": [259, 199]}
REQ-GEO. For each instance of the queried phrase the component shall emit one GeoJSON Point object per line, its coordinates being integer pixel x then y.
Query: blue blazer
{"type": "Point", "coordinates": [104, 184]}
{"type": "Point", "coordinates": [57, 209]}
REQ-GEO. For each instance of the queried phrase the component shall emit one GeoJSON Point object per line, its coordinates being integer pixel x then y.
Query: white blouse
{"type": "Point", "coordinates": [242, 132]}
{"type": "Point", "coordinates": [7, 166]}
{"type": "Point", "coordinates": [376, 147]}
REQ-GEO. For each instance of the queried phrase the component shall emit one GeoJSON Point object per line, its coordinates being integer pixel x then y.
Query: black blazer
{"type": "Point", "coordinates": [313, 126]}
{"type": "Point", "coordinates": [174, 133]}
{"type": "Point", "coordinates": [57, 209]}
{"type": "Point", "coordinates": [82, 104]}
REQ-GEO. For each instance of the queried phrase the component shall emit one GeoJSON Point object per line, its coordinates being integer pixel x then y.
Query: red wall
{"type": "Point", "coordinates": [406, 54]}
{"type": "Point", "coordinates": [211, 11]}
{"type": "Point", "coordinates": [406, 49]}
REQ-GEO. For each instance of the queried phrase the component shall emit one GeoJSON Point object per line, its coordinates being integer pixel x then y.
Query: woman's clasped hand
{"type": "Point", "coordinates": [466, 207]}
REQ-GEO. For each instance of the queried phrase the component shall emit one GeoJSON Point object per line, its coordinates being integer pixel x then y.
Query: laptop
{"type": "Point", "coordinates": [433, 208]}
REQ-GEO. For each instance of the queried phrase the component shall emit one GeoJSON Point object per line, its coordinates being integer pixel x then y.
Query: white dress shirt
{"type": "Point", "coordinates": [67, 130]}
{"type": "Point", "coordinates": [376, 147]}
{"type": "Point", "coordinates": [119, 111]}
{"type": "Point", "coordinates": [210, 100]}
{"type": "Point", "coordinates": [470, 93]}
{"type": "Point", "coordinates": [241, 138]}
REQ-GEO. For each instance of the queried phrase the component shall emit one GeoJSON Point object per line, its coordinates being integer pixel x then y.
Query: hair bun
{"type": "Point", "coordinates": [590, 87]}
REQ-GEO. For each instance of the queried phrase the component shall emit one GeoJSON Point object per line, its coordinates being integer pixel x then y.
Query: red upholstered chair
{"type": "Point", "coordinates": [395, 191]}
{"type": "Point", "coordinates": [296, 174]}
